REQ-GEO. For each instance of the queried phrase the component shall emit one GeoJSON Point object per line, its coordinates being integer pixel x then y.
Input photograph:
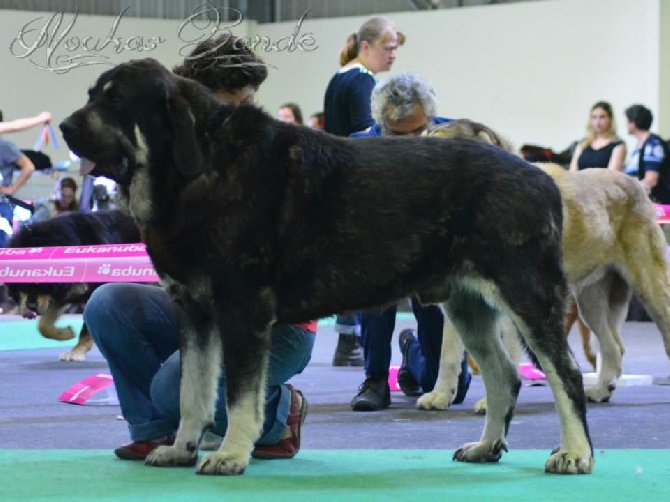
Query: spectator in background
{"type": "Point", "coordinates": [404, 105]}
{"type": "Point", "coordinates": [23, 123]}
{"type": "Point", "coordinates": [316, 121]}
{"type": "Point", "coordinates": [290, 113]}
{"type": "Point", "coordinates": [101, 198]}
{"type": "Point", "coordinates": [602, 147]}
{"type": "Point", "coordinates": [649, 161]}
{"type": "Point", "coordinates": [346, 110]}
{"type": "Point", "coordinates": [66, 197]}
{"type": "Point", "coordinates": [11, 158]}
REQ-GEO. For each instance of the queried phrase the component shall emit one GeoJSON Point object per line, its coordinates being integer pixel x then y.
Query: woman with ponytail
{"type": "Point", "coordinates": [367, 52]}
{"type": "Point", "coordinates": [347, 110]}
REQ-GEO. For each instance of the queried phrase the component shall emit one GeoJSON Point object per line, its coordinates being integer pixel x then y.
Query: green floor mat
{"type": "Point", "coordinates": [23, 334]}
{"type": "Point", "coordinates": [332, 475]}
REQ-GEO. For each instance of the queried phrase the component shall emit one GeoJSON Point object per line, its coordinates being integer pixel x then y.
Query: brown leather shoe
{"type": "Point", "coordinates": [288, 447]}
{"type": "Point", "coordinates": [138, 450]}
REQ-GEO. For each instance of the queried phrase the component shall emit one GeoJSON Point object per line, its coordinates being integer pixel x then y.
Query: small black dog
{"type": "Point", "coordinates": [51, 300]}
{"type": "Point", "coordinates": [249, 221]}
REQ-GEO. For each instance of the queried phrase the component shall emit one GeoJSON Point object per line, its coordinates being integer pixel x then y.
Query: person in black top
{"type": "Point", "coordinates": [601, 147]}
{"type": "Point", "coordinates": [369, 51]}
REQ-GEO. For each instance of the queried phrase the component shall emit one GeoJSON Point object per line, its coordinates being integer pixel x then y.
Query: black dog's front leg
{"type": "Point", "coordinates": [200, 369]}
{"type": "Point", "coordinates": [245, 327]}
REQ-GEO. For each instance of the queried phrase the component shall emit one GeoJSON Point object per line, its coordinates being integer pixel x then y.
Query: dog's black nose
{"type": "Point", "coordinates": [67, 127]}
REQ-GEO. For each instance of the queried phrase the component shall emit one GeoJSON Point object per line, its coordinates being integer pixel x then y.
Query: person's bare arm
{"type": "Point", "coordinates": [27, 168]}
{"type": "Point", "coordinates": [618, 157]}
{"type": "Point", "coordinates": [25, 123]}
{"type": "Point", "coordinates": [650, 180]}
{"type": "Point", "coordinates": [575, 158]}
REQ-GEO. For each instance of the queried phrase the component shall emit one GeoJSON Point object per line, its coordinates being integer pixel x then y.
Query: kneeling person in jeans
{"type": "Point", "coordinates": [135, 328]}
{"type": "Point", "coordinates": [403, 105]}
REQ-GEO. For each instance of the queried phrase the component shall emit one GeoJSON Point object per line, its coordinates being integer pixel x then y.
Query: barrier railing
{"type": "Point", "coordinates": [106, 262]}
{"type": "Point", "coordinates": [99, 263]}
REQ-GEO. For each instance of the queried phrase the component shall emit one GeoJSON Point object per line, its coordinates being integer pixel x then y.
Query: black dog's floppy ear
{"type": "Point", "coordinates": [186, 149]}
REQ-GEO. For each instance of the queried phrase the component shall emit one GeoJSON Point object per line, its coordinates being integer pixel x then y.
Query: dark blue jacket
{"type": "Point", "coordinates": [376, 130]}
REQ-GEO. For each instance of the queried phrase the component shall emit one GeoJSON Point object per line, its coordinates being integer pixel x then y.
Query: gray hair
{"type": "Point", "coordinates": [402, 93]}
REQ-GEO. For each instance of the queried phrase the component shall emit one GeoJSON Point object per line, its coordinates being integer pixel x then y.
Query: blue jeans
{"type": "Point", "coordinates": [423, 355]}
{"type": "Point", "coordinates": [135, 328]}
{"type": "Point", "coordinates": [348, 324]}
{"type": "Point", "coordinates": [6, 212]}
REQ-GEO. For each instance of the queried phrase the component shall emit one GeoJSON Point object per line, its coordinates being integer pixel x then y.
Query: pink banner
{"type": "Point", "coordinates": [100, 263]}
{"type": "Point", "coordinates": [107, 262]}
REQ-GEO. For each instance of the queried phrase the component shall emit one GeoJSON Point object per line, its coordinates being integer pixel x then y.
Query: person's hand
{"type": "Point", "coordinates": [6, 190]}
{"type": "Point", "coordinates": [44, 117]}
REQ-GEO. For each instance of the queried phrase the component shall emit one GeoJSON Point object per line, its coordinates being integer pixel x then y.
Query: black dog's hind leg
{"type": "Point", "coordinates": [245, 326]}
{"type": "Point", "coordinates": [477, 323]}
{"type": "Point", "coordinates": [538, 310]}
{"type": "Point", "coordinates": [200, 369]}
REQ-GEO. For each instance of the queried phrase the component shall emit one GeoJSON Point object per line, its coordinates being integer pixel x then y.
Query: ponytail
{"type": "Point", "coordinates": [350, 50]}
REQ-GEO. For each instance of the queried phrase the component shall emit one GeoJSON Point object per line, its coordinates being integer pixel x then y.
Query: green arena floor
{"type": "Point", "coordinates": [53, 451]}
{"type": "Point", "coordinates": [347, 475]}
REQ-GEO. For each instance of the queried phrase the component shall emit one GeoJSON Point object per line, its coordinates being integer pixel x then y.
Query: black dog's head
{"type": "Point", "coordinates": [138, 113]}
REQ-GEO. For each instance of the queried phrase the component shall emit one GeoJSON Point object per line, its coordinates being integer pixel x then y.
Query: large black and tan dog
{"type": "Point", "coordinates": [249, 222]}
{"type": "Point", "coordinates": [50, 300]}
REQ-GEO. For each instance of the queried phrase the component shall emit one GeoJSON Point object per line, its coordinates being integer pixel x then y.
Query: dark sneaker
{"type": "Point", "coordinates": [288, 447]}
{"type": "Point", "coordinates": [406, 381]}
{"type": "Point", "coordinates": [463, 382]}
{"type": "Point", "coordinates": [138, 450]}
{"type": "Point", "coordinates": [349, 351]}
{"type": "Point", "coordinates": [373, 395]}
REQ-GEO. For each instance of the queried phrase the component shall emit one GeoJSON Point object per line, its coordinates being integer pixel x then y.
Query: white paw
{"type": "Point", "coordinates": [600, 394]}
{"type": "Point", "coordinates": [436, 400]}
{"type": "Point", "coordinates": [566, 462]}
{"type": "Point", "coordinates": [480, 451]}
{"type": "Point", "coordinates": [480, 406]}
{"type": "Point", "coordinates": [73, 355]}
{"type": "Point", "coordinates": [223, 463]}
{"type": "Point", "coordinates": [171, 456]}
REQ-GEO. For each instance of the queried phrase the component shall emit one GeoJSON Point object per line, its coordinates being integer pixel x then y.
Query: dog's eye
{"type": "Point", "coordinates": [113, 97]}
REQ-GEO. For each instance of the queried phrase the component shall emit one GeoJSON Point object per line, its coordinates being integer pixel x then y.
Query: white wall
{"type": "Point", "coordinates": [25, 89]}
{"type": "Point", "coordinates": [530, 70]}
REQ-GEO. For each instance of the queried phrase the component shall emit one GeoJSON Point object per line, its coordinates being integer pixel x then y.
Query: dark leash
{"type": "Point", "coordinates": [20, 203]}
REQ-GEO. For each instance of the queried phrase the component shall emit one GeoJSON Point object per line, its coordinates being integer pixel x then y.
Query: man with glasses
{"type": "Point", "coordinates": [401, 106]}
